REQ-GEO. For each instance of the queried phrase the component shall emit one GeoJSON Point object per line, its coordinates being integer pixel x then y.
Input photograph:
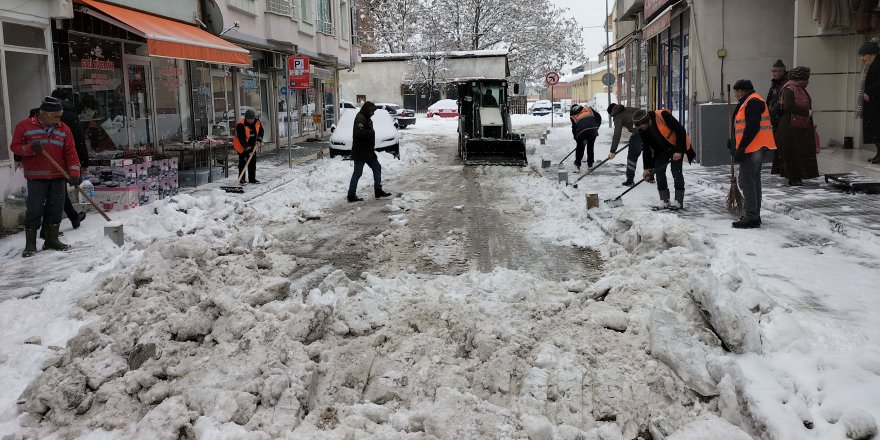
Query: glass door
{"type": "Point", "coordinates": [139, 110]}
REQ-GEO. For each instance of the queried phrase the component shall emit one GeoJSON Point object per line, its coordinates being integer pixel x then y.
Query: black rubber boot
{"type": "Point", "coordinates": [75, 222]}
{"type": "Point", "coordinates": [380, 193]}
{"type": "Point", "coordinates": [43, 231]}
{"type": "Point", "coordinates": [355, 199]}
{"type": "Point", "coordinates": [30, 245]}
{"type": "Point", "coordinates": [52, 241]}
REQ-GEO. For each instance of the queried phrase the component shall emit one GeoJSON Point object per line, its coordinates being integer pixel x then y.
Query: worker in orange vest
{"type": "Point", "coordinates": [666, 143]}
{"type": "Point", "coordinates": [248, 132]}
{"type": "Point", "coordinates": [584, 128]}
{"type": "Point", "coordinates": [754, 144]}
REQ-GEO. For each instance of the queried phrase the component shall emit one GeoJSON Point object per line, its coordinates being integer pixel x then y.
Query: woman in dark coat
{"type": "Point", "coordinates": [869, 99]}
{"type": "Point", "coordinates": [795, 136]}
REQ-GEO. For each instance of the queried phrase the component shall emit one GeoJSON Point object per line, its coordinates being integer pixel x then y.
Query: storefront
{"type": "Point", "coordinates": [666, 51]}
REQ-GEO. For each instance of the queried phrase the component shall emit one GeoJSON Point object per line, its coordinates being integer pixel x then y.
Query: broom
{"type": "Point", "coordinates": [734, 197]}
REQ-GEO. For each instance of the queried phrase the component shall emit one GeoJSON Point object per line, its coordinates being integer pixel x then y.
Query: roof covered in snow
{"type": "Point", "coordinates": [451, 54]}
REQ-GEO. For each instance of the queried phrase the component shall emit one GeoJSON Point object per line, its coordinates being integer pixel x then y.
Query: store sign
{"type": "Point", "coordinates": [298, 72]}
{"type": "Point", "coordinates": [654, 6]}
{"type": "Point", "coordinates": [659, 24]}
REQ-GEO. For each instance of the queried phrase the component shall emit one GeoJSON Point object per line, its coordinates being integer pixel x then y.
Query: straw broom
{"type": "Point", "coordinates": [734, 197]}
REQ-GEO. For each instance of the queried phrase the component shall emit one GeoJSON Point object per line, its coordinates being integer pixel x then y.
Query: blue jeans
{"type": "Point", "coordinates": [750, 182]}
{"type": "Point", "coordinates": [359, 169]}
{"type": "Point", "coordinates": [45, 202]}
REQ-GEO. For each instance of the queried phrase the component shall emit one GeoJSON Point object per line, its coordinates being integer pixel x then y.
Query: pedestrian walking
{"type": "Point", "coordinates": [665, 144]}
{"type": "Point", "coordinates": [778, 77]}
{"type": "Point", "coordinates": [248, 132]}
{"type": "Point", "coordinates": [33, 138]}
{"type": "Point", "coordinates": [753, 142]}
{"type": "Point", "coordinates": [585, 123]}
{"type": "Point", "coordinates": [795, 136]}
{"type": "Point", "coordinates": [363, 152]}
{"type": "Point", "coordinates": [868, 100]}
{"type": "Point", "coordinates": [623, 118]}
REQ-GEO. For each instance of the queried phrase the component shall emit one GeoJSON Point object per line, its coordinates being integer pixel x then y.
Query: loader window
{"type": "Point", "coordinates": [490, 97]}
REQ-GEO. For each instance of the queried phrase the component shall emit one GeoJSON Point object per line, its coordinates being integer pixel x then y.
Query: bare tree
{"type": "Point", "coordinates": [388, 25]}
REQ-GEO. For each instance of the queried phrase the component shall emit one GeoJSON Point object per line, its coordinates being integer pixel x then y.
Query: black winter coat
{"type": "Point", "coordinates": [871, 109]}
{"type": "Point", "coordinates": [363, 142]}
{"type": "Point", "coordinates": [655, 146]}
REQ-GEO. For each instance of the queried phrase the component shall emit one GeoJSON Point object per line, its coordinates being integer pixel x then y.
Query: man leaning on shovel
{"type": "Point", "coordinates": [248, 132]}
{"type": "Point", "coordinates": [35, 138]}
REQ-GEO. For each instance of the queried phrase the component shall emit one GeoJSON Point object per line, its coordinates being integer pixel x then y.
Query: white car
{"type": "Point", "coordinates": [387, 137]}
{"type": "Point", "coordinates": [542, 107]}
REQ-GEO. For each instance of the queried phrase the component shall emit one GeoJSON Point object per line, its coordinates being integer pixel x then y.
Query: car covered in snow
{"type": "Point", "coordinates": [403, 116]}
{"type": "Point", "coordinates": [542, 107]}
{"type": "Point", "coordinates": [387, 137]}
{"type": "Point", "coordinates": [444, 108]}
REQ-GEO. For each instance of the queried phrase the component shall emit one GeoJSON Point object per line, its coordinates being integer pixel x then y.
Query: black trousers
{"type": "Point", "coordinates": [588, 141]}
{"type": "Point", "coordinates": [45, 202]}
{"type": "Point", "coordinates": [660, 165]}
{"type": "Point", "coordinates": [632, 155]}
{"type": "Point", "coordinates": [252, 167]}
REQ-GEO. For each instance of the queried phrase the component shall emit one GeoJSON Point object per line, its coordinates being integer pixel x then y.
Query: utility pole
{"type": "Point", "coordinates": [607, 61]}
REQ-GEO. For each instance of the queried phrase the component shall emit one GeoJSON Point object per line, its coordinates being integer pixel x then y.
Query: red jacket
{"type": "Point", "coordinates": [58, 142]}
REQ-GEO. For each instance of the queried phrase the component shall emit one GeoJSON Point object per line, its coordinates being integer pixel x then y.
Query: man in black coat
{"type": "Point", "coordinates": [363, 152]}
{"type": "Point", "coordinates": [869, 106]}
{"type": "Point", "coordinates": [656, 129]}
{"type": "Point", "coordinates": [778, 79]}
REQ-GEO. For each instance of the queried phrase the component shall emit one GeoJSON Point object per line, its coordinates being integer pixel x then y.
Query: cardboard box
{"type": "Point", "coordinates": [121, 162]}
{"type": "Point", "coordinates": [117, 199]}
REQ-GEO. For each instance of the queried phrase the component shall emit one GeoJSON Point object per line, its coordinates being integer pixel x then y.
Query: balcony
{"type": "Point", "coordinates": [280, 7]}
{"type": "Point", "coordinates": [326, 27]}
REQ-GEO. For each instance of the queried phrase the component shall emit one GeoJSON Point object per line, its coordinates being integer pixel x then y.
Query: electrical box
{"type": "Point", "coordinates": [714, 131]}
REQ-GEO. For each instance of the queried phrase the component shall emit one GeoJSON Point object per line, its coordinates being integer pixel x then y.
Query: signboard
{"type": "Point", "coordinates": [552, 78]}
{"type": "Point", "coordinates": [283, 90]}
{"type": "Point", "coordinates": [298, 73]}
{"type": "Point", "coordinates": [654, 6]}
{"type": "Point", "coordinates": [656, 26]}
{"type": "Point", "coordinates": [608, 79]}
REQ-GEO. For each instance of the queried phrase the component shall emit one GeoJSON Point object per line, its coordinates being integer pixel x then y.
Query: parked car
{"type": "Point", "coordinates": [542, 107]}
{"type": "Point", "coordinates": [387, 137]}
{"type": "Point", "coordinates": [444, 108]}
{"type": "Point", "coordinates": [347, 105]}
{"type": "Point", "coordinates": [403, 116]}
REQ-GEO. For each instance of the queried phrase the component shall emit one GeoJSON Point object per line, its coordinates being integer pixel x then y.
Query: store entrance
{"type": "Point", "coordinates": [138, 96]}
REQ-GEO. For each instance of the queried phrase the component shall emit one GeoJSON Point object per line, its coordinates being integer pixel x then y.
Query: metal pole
{"type": "Point", "coordinates": [607, 60]}
{"type": "Point", "coordinates": [552, 110]}
{"type": "Point", "coordinates": [287, 108]}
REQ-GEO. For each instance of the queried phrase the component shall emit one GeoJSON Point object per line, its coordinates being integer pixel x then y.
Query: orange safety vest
{"type": "Point", "coordinates": [764, 138]}
{"type": "Point", "coordinates": [586, 112]}
{"type": "Point", "coordinates": [665, 131]}
{"type": "Point", "coordinates": [247, 134]}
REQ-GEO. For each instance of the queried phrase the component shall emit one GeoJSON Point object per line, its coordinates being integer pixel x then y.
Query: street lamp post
{"type": "Point", "coordinates": [607, 61]}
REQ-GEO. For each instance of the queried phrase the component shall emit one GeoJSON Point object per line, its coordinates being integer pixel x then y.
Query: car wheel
{"type": "Point", "coordinates": [402, 126]}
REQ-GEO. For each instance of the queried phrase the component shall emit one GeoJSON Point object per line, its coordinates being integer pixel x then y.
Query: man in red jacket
{"type": "Point", "coordinates": [46, 185]}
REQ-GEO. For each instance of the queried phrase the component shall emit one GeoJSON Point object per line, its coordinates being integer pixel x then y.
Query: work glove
{"type": "Point", "coordinates": [74, 181]}
{"type": "Point", "coordinates": [740, 155]}
{"type": "Point", "coordinates": [37, 148]}
{"type": "Point", "coordinates": [248, 150]}
{"type": "Point", "coordinates": [610, 156]}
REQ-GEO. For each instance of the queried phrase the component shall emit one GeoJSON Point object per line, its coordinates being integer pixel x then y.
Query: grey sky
{"type": "Point", "coordinates": [588, 13]}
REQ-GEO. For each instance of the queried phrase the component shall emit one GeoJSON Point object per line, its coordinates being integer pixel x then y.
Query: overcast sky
{"type": "Point", "coordinates": [588, 13]}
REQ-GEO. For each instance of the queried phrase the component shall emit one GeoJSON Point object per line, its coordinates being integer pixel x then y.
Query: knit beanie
{"type": "Point", "coordinates": [51, 104]}
{"type": "Point", "coordinates": [640, 117]}
{"type": "Point", "coordinates": [799, 73]}
{"type": "Point", "coordinates": [744, 85]}
{"type": "Point", "coordinates": [611, 108]}
{"type": "Point", "coordinates": [779, 64]}
{"type": "Point", "coordinates": [869, 48]}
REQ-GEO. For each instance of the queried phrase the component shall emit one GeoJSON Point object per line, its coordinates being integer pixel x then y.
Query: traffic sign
{"type": "Point", "coordinates": [608, 80]}
{"type": "Point", "coordinates": [283, 90]}
{"type": "Point", "coordinates": [552, 78]}
{"type": "Point", "coordinates": [298, 72]}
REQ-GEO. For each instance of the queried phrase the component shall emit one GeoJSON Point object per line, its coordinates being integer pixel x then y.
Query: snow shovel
{"type": "Point", "coordinates": [597, 166]}
{"type": "Point", "coordinates": [566, 157]}
{"type": "Point", "coordinates": [81, 191]}
{"type": "Point", "coordinates": [616, 202]}
{"type": "Point", "coordinates": [238, 189]}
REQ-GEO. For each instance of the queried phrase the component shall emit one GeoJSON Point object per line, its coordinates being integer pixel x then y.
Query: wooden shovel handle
{"type": "Point", "coordinates": [81, 191]}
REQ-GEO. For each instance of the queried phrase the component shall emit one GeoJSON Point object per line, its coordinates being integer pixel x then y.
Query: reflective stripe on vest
{"type": "Point", "coordinates": [586, 112]}
{"type": "Point", "coordinates": [666, 132]}
{"type": "Point", "coordinates": [764, 138]}
{"type": "Point", "coordinates": [247, 135]}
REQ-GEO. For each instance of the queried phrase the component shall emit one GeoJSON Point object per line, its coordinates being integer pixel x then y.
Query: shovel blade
{"type": "Point", "coordinates": [233, 189]}
{"type": "Point", "coordinates": [614, 203]}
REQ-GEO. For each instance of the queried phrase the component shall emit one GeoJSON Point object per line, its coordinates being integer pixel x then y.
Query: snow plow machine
{"type": "Point", "coordinates": [484, 130]}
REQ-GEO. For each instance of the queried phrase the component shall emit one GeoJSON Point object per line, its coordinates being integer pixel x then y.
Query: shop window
{"type": "Point", "coordinates": [202, 103]}
{"type": "Point", "coordinates": [99, 94]}
{"type": "Point", "coordinates": [173, 118]}
{"type": "Point", "coordinates": [4, 143]}
{"type": "Point", "coordinates": [306, 11]}
{"type": "Point", "coordinates": [31, 72]}
{"type": "Point", "coordinates": [223, 123]}
{"type": "Point", "coordinates": [25, 36]}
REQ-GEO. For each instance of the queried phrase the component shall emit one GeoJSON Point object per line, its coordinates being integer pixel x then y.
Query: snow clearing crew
{"type": "Point", "coordinates": [363, 144]}
{"type": "Point", "coordinates": [753, 143]}
{"type": "Point", "coordinates": [584, 128]}
{"type": "Point", "coordinates": [665, 142]}
{"type": "Point", "coordinates": [248, 132]}
{"type": "Point", "coordinates": [35, 136]}
{"type": "Point", "coordinates": [623, 118]}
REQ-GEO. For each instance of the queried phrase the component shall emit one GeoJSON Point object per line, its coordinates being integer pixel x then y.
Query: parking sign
{"type": "Point", "coordinates": [298, 72]}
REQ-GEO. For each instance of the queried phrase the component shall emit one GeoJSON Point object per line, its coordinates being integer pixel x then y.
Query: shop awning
{"type": "Point", "coordinates": [662, 22]}
{"type": "Point", "coordinates": [621, 43]}
{"type": "Point", "coordinates": [172, 39]}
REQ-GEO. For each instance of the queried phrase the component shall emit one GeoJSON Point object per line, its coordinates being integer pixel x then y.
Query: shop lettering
{"type": "Point", "coordinates": [172, 71]}
{"type": "Point", "coordinates": [98, 81]}
{"type": "Point", "coordinates": [93, 63]}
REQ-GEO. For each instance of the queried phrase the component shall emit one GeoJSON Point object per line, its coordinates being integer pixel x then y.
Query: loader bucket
{"type": "Point", "coordinates": [494, 152]}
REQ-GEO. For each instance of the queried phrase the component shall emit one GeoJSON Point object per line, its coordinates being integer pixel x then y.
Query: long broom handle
{"type": "Point", "coordinates": [599, 164]}
{"type": "Point", "coordinates": [729, 116]}
{"type": "Point", "coordinates": [246, 165]}
{"type": "Point", "coordinates": [81, 191]}
{"type": "Point", "coordinates": [628, 190]}
{"type": "Point", "coordinates": [566, 157]}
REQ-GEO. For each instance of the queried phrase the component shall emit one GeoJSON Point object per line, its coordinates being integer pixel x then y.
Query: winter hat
{"type": "Point", "coordinates": [368, 106]}
{"type": "Point", "coordinates": [575, 109]}
{"type": "Point", "coordinates": [869, 48]}
{"type": "Point", "coordinates": [779, 64]}
{"type": "Point", "coordinates": [250, 114]}
{"type": "Point", "coordinates": [744, 85]}
{"type": "Point", "coordinates": [640, 117]}
{"type": "Point", "coordinates": [611, 108]}
{"type": "Point", "coordinates": [799, 73]}
{"type": "Point", "coordinates": [51, 104]}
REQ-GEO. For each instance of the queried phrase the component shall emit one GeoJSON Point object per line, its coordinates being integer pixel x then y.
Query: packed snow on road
{"type": "Point", "coordinates": [479, 303]}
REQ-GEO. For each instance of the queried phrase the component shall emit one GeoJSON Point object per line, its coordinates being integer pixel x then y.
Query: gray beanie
{"type": "Point", "coordinates": [640, 117]}
{"type": "Point", "coordinates": [51, 104]}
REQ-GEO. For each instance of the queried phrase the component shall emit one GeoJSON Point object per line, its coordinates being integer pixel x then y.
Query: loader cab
{"type": "Point", "coordinates": [485, 134]}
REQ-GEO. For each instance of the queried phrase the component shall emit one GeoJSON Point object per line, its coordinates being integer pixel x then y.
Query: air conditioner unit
{"type": "Point", "coordinates": [275, 61]}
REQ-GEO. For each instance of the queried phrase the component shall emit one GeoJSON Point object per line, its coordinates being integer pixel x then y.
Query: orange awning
{"type": "Point", "coordinates": [172, 39]}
